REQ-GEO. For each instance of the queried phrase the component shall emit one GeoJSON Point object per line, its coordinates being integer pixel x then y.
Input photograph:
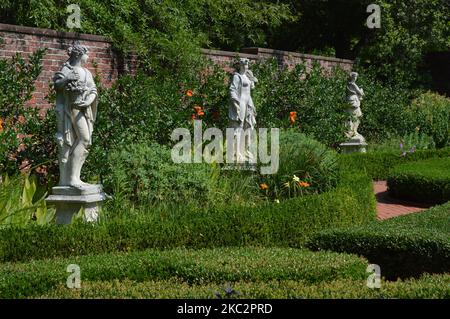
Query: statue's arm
{"type": "Point", "coordinates": [92, 93]}
{"type": "Point", "coordinates": [59, 80]}
{"type": "Point", "coordinates": [234, 88]}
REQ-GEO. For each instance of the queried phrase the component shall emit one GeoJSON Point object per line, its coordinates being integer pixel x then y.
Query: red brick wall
{"type": "Point", "coordinates": [285, 58]}
{"type": "Point", "coordinates": [110, 64]}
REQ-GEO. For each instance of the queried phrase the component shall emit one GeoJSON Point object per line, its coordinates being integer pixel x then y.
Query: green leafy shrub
{"type": "Point", "coordinates": [147, 175]}
{"type": "Point", "coordinates": [194, 267]}
{"type": "Point", "coordinates": [287, 224]}
{"type": "Point", "coordinates": [403, 247]}
{"type": "Point", "coordinates": [378, 165]}
{"type": "Point", "coordinates": [303, 161]}
{"type": "Point", "coordinates": [408, 143]}
{"type": "Point", "coordinates": [431, 114]}
{"type": "Point", "coordinates": [426, 181]}
{"type": "Point", "coordinates": [315, 96]}
{"type": "Point", "coordinates": [427, 287]}
{"type": "Point", "coordinates": [20, 125]}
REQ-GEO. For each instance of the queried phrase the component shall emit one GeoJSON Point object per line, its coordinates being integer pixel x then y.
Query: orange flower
{"type": "Point", "coordinates": [198, 110]}
{"type": "Point", "coordinates": [264, 186]}
{"type": "Point", "coordinates": [1, 125]}
{"type": "Point", "coordinates": [304, 184]}
{"type": "Point", "coordinates": [190, 93]}
{"type": "Point", "coordinates": [293, 117]}
{"type": "Point", "coordinates": [193, 117]}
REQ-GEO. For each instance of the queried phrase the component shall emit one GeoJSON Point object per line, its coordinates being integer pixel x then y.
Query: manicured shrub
{"type": "Point", "coordinates": [426, 181]}
{"type": "Point", "coordinates": [403, 246]}
{"type": "Point", "coordinates": [379, 164]}
{"type": "Point", "coordinates": [194, 267]}
{"type": "Point", "coordinates": [288, 223]}
{"type": "Point", "coordinates": [306, 166]}
{"type": "Point", "coordinates": [427, 287]}
{"type": "Point", "coordinates": [431, 114]}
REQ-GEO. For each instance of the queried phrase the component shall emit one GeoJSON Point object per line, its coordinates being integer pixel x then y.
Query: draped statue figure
{"type": "Point", "coordinates": [354, 99]}
{"type": "Point", "coordinates": [76, 110]}
{"type": "Point", "coordinates": [242, 112]}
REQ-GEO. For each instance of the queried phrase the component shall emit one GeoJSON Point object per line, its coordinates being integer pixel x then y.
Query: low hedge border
{"type": "Point", "coordinates": [379, 165]}
{"type": "Point", "coordinates": [427, 287]}
{"type": "Point", "coordinates": [426, 181]}
{"type": "Point", "coordinates": [404, 247]}
{"type": "Point", "coordinates": [287, 224]}
{"type": "Point", "coordinates": [193, 267]}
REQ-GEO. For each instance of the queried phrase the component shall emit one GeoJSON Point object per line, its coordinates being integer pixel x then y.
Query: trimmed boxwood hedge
{"type": "Point", "coordinates": [287, 224]}
{"type": "Point", "coordinates": [426, 181]}
{"type": "Point", "coordinates": [403, 247]}
{"type": "Point", "coordinates": [427, 287]}
{"type": "Point", "coordinates": [379, 165]}
{"type": "Point", "coordinates": [193, 267]}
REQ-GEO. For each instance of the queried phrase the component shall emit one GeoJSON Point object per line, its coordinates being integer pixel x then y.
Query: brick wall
{"type": "Point", "coordinates": [109, 64]}
{"type": "Point", "coordinates": [25, 40]}
{"type": "Point", "coordinates": [285, 58]}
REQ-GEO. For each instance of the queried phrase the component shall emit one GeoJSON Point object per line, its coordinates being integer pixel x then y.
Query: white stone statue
{"type": "Point", "coordinates": [355, 96]}
{"type": "Point", "coordinates": [76, 110]}
{"type": "Point", "coordinates": [242, 112]}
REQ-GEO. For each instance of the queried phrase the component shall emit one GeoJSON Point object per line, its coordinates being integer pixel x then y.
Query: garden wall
{"type": "Point", "coordinates": [109, 63]}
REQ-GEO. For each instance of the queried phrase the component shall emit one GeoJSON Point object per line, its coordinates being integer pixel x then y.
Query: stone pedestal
{"type": "Point", "coordinates": [69, 200]}
{"type": "Point", "coordinates": [353, 147]}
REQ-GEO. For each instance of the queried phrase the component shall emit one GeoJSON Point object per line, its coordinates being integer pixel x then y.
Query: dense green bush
{"type": "Point", "coordinates": [193, 267]}
{"type": "Point", "coordinates": [408, 143]}
{"type": "Point", "coordinates": [403, 246]}
{"type": "Point", "coordinates": [427, 287]}
{"type": "Point", "coordinates": [378, 165]}
{"type": "Point", "coordinates": [302, 160]}
{"type": "Point", "coordinates": [431, 114]}
{"type": "Point", "coordinates": [426, 181]}
{"type": "Point", "coordinates": [146, 174]}
{"type": "Point", "coordinates": [288, 223]}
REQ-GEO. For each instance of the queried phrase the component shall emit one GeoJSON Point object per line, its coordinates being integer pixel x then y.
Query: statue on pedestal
{"type": "Point", "coordinates": [355, 96]}
{"type": "Point", "coordinates": [356, 142]}
{"type": "Point", "coordinates": [242, 112]}
{"type": "Point", "coordinates": [76, 110]}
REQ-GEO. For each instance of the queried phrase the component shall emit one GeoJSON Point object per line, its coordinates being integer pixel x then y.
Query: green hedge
{"type": "Point", "coordinates": [428, 287]}
{"type": "Point", "coordinates": [287, 224]}
{"type": "Point", "coordinates": [194, 267]}
{"type": "Point", "coordinates": [380, 164]}
{"type": "Point", "coordinates": [403, 247]}
{"type": "Point", "coordinates": [425, 181]}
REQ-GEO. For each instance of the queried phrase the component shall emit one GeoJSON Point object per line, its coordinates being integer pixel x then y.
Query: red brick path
{"type": "Point", "coordinates": [388, 207]}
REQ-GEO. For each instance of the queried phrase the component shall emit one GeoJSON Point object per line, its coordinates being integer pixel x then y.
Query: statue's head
{"type": "Point", "coordinates": [353, 76]}
{"type": "Point", "coordinates": [78, 52]}
{"type": "Point", "coordinates": [244, 63]}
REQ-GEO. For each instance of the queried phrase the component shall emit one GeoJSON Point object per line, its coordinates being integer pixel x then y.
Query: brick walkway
{"type": "Point", "coordinates": [388, 207]}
